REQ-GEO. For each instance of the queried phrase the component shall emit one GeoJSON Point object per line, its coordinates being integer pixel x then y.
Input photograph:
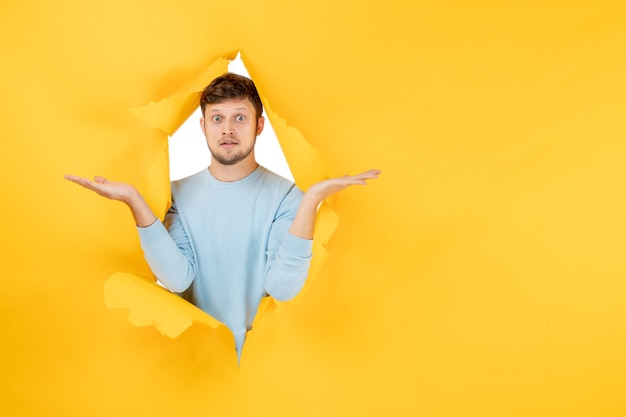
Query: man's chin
{"type": "Point", "coordinates": [231, 160]}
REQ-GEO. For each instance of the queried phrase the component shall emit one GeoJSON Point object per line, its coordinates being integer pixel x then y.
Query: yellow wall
{"type": "Point", "coordinates": [482, 275]}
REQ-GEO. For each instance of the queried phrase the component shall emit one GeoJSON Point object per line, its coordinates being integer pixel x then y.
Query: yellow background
{"type": "Point", "coordinates": [482, 275]}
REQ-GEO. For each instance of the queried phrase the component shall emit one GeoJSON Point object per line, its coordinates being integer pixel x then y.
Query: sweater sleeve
{"type": "Point", "coordinates": [288, 256]}
{"type": "Point", "coordinates": [169, 253]}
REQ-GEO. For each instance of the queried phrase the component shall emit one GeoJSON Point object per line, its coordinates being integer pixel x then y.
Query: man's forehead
{"type": "Point", "coordinates": [231, 104]}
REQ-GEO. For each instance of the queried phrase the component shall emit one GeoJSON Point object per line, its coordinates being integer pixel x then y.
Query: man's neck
{"type": "Point", "coordinates": [231, 173]}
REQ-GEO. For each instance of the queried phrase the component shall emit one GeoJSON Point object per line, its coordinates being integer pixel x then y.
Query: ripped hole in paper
{"type": "Point", "coordinates": [188, 151]}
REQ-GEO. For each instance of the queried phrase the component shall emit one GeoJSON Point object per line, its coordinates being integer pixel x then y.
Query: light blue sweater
{"type": "Point", "coordinates": [229, 242]}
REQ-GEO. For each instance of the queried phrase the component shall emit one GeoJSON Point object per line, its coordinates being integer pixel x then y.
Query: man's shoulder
{"type": "Point", "coordinates": [191, 181]}
{"type": "Point", "coordinates": [273, 180]}
{"type": "Point", "coordinates": [274, 177]}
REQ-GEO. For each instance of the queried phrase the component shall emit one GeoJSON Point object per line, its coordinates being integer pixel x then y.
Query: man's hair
{"type": "Point", "coordinates": [231, 87]}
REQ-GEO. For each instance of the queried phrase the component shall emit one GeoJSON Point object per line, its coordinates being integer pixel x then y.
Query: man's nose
{"type": "Point", "coordinates": [227, 128]}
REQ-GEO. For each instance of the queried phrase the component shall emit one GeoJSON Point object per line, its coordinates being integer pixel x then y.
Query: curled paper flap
{"type": "Point", "coordinates": [155, 183]}
{"type": "Point", "coordinates": [170, 113]}
{"type": "Point", "coordinates": [149, 304]}
{"type": "Point", "coordinates": [306, 163]}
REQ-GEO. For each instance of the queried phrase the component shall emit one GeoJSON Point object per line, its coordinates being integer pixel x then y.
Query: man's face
{"type": "Point", "coordinates": [231, 128]}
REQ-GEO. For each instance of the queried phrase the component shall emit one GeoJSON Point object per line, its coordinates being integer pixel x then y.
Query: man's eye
{"type": "Point", "coordinates": [240, 118]}
{"type": "Point", "coordinates": [217, 119]}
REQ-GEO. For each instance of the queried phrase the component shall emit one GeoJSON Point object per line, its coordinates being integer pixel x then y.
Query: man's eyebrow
{"type": "Point", "coordinates": [213, 110]}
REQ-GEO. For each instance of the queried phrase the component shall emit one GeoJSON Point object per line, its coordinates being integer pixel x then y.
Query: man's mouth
{"type": "Point", "coordinates": [228, 143]}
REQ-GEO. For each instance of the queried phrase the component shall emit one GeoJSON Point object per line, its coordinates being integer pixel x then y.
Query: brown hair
{"type": "Point", "coordinates": [231, 87]}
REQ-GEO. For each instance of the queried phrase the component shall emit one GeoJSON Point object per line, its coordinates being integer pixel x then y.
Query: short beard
{"type": "Point", "coordinates": [234, 159]}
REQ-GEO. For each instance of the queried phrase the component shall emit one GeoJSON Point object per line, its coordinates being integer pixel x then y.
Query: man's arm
{"type": "Point", "coordinates": [289, 254]}
{"type": "Point", "coordinates": [304, 222]}
{"type": "Point", "coordinates": [167, 251]}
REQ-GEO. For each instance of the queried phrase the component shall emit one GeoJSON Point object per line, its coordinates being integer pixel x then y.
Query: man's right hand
{"type": "Point", "coordinates": [119, 191]}
{"type": "Point", "coordinates": [110, 189]}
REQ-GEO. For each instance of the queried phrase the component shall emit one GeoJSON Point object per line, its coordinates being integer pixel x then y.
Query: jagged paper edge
{"type": "Point", "coordinates": [151, 305]}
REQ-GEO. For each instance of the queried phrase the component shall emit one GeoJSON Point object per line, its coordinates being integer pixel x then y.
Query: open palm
{"type": "Point", "coordinates": [326, 188]}
{"type": "Point", "coordinates": [110, 189]}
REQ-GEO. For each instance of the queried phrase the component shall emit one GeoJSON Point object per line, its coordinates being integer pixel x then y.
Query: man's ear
{"type": "Point", "coordinates": [259, 125]}
{"type": "Point", "coordinates": [202, 125]}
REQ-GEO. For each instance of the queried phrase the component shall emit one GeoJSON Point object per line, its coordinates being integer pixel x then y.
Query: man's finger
{"type": "Point", "coordinates": [369, 175]}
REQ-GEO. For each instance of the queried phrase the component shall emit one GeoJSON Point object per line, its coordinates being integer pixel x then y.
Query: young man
{"type": "Point", "coordinates": [236, 232]}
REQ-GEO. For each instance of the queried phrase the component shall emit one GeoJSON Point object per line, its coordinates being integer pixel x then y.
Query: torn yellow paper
{"type": "Point", "coordinates": [482, 275]}
{"type": "Point", "coordinates": [306, 163]}
{"type": "Point", "coordinates": [149, 304]}
{"type": "Point", "coordinates": [170, 113]}
{"type": "Point", "coordinates": [155, 183]}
